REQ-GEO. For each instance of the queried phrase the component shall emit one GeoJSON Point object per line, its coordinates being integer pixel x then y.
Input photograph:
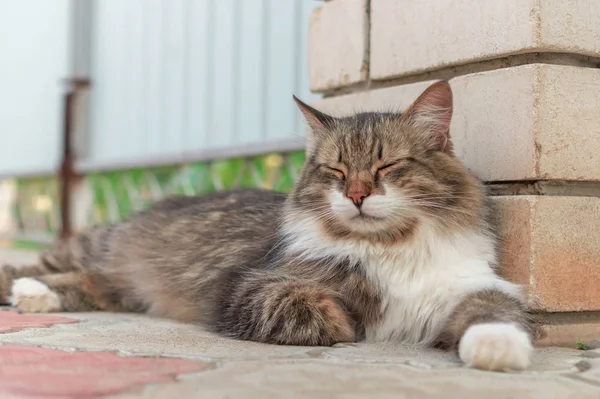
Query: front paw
{"type": "Point", "coordinates": [495, 347]}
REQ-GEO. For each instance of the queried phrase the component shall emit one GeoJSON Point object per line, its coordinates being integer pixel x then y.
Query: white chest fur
{"type": "Point", "coordinates": [420, 281]}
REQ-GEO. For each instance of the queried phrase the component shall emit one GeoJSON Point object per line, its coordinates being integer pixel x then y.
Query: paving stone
{"type": "Point", "coordinates": [594, 344]}
{"type": "Point", "coordinates": [41, 372]}
{"type": "Point", "coordinates": [340, 379]}
{"type": "Point", "coordinates": [141, 335]}
{"type": "Point", "coordinates": [11, 321]}
{"type": "Point", "coordinates": [337, 44]}
{"type": "Point", "coordinates": [590, 354]}
{"type": "Point", "coordinates": [583, 365]}
{"type": "Point", "coordinates": [532, 122]}
{"type": "Point", "coordinates": [408, 38]}
{"type": "Point", "coordinates": [591, 371]}
{"type": "Point", "coordinates": [218, 367]}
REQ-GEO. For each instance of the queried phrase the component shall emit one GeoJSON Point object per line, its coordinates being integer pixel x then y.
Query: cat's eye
{"type": "Point", "coordinates": [384, 167]}
{"type": "Point", "coordinates": [381, 171]}
{"type": "Point", "coordinates": [397, 164]}
{"type": "Point", "coordinates": [339, 173]}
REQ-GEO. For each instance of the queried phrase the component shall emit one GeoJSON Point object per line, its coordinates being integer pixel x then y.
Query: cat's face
{"type": "Point", "coordinates": [382, 174]}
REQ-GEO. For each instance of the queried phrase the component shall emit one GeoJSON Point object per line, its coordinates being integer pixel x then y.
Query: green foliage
{"type": "Point", "coordinates": [116, 194]}
{"type": "Point", "coordinates": [581, 345]}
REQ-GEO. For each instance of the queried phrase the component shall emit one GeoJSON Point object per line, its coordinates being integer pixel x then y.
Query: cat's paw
{"type": "Point", "coordinates": [33, 296]}
{"type": "Point", "coordinates": [495, 347]}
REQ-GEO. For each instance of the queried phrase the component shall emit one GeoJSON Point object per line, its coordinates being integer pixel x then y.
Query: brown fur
{"type": "Point", "coordinates": [220, 260]}
{"type": "Point", "coordinates": [487, 306]}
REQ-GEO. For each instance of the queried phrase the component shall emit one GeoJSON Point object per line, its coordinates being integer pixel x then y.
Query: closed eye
{"type": "Point", "coordinates": [385, 167]}
{"type": "Point", "coordinates": [339, 173]}
{"type": "Point", "coordinates": [393, 166]}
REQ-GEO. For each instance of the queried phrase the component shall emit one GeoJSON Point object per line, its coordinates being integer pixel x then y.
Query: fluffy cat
{"type": "Point", "coordinates": [384, 237]}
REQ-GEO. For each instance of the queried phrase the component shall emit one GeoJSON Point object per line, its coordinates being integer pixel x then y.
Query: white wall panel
{"type": "Point", "coordinates": [173, 76]}
{"type": "Point", "coordinates": [252, 72]}
{"type": "Point", "coordinates": [199, 64]}
{"type": "Point", "coordinates": [34, 45]}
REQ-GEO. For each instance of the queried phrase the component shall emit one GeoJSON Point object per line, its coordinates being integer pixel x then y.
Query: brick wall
{"type": "Point", "coordinates": [527, 121]}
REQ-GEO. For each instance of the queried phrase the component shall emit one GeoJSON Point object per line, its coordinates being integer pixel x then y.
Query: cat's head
{"type": "Point", "coordinates": [380, 175]}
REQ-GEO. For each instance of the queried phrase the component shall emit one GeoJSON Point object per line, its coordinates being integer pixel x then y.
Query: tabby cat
{"type": "Point", "coordinates": [384, 237]}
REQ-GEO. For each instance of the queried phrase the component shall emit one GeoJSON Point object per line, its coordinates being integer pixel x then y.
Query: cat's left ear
{"type": "Point", "coordinates": [316, 119]}
{"type": "Point", "coordinates": [318, 122]}
{"type": "Point", "coordinates": [431, 113]}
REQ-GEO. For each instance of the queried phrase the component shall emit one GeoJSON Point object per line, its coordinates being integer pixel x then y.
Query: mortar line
{"type": "Point", "coordinates": [447, 73]}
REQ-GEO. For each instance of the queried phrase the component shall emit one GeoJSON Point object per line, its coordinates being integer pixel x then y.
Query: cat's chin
{"type": "Point", "coordinates": [377, 229]}
{"type": "Point", "coordinates": [367, 224]}
{"type": "Point", "coordinates": [363, 217]}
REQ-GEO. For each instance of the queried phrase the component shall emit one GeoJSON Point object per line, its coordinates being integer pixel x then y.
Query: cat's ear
{"type": "Point", "coordinates": [316, 120]}
{"type": "Point", "coordinates": [431, 113]}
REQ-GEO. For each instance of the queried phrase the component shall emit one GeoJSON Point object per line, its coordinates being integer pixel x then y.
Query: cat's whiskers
{"type": "Point", "coordinates": [440, 206]}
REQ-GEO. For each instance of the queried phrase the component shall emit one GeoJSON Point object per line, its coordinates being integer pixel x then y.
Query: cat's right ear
{"type": "Point", "coordinates": [317, 120]}
{"type": "Point", "coordinates": [431, 113]}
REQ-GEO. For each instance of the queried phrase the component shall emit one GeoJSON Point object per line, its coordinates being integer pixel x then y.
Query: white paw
{"type": "Point", "coordinates": [33, 296]}
{"type": "Point", "coordinates": [496, 347]}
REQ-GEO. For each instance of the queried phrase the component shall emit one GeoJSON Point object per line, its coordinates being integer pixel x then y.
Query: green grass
{"type": "Point", "coordinates": [28, 245]}
{"type": "Point", "coordinates": [581, 345]}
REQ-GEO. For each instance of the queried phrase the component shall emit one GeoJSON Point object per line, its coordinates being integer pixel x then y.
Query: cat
{"type": "Point", "coordinates": [384, 237]}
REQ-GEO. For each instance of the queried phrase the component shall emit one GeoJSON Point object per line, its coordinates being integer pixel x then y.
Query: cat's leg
{"type": "Point", "coordinates": [48, 264]}
{"type": "Point", "coordinates": [285, 312]}
{"type": "Point", "coordinates": [9, 273]}
{"type": "Point", "coordinates": [70, 255]}
{"type": "Point", "coordinates": [491, 330]}
{"type": "Point", "coordinates": [64, 292]}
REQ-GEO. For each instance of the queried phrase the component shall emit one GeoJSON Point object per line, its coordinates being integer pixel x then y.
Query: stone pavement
{"type": "Point", "coordinates": [126, 356]}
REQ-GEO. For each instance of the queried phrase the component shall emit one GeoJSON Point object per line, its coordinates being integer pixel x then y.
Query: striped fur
{"type": "Point", "coordinates": [414, 260]}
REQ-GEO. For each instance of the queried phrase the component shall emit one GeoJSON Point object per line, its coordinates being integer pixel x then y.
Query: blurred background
{"type": "Point", "coordinates": [113, 104]}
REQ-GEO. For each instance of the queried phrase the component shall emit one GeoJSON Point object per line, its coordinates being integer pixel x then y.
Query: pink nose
{"type": "Point", "coordinates": [357, 197]}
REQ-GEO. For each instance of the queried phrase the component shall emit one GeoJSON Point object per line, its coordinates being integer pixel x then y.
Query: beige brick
{"type": "Point", "coordinates": [568, 123]}
{"type": "Point", "coordinates": [551, 245]}
{"type": "Point", "coordinates": [408, 38]}
{"type": "Point", "coordinates": [532, 122]}
{"type": "Point", "coordinates": [337, 44]}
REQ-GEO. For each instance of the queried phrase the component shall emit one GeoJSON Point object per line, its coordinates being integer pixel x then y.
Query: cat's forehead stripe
{"type": "Point", "coordinates": [358, 133]}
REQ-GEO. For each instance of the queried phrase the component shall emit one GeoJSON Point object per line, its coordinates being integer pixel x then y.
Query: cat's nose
{"type": "Point", "coordinates": [358, 197]}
